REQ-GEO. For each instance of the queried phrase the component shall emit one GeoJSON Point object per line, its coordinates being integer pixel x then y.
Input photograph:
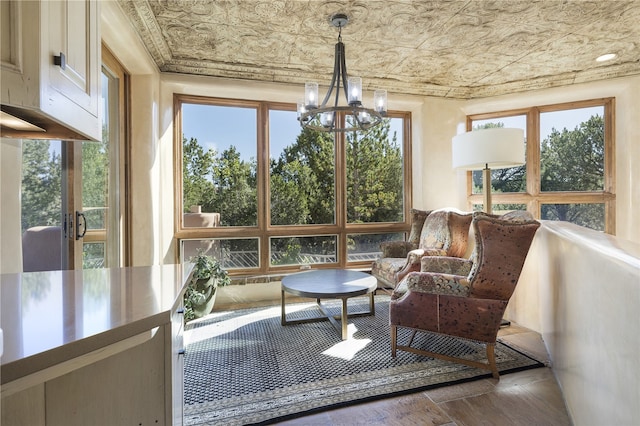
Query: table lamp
{"type": "Point", "coordinates": [486, 149]}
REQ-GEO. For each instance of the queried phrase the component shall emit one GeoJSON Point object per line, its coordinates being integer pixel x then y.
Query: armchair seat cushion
{"type": "Point", "coordinates": [390, 270]}
{"type": "Point", "coordinates": [464, 317]}
{"type": "Point", "coordinates": [446, 265]}
{"type": "Point", "coordinates": [385, 269]}
{"type": "Point", "coordinates": [442, 232]}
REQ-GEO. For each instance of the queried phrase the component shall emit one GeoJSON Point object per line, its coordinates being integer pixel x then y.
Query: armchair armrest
{"type": "Point", "coordinates": [432, 283]}
{"type": "Point", "coordinates": [415, 256]}
{"type": "Point", "coordinates": [446, 265]}
{"type": "Point", "coordinates": [397, 248]}
{"type": "Point", "coordinates": [413, 260]}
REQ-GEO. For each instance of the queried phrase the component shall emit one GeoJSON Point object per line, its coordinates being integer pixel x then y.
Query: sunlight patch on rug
{"type": "Point", "coordinates": [347, 349]}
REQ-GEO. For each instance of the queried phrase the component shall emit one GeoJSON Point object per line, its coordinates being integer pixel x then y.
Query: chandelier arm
{"type": "Point", "coordinates": [307, 117]}
{"type": "Point", "coordinates": [343, 73]}
{"type": "Point", "coordinates": [339, 69]}
{"type": "Point", "coordinates": [334, 77]}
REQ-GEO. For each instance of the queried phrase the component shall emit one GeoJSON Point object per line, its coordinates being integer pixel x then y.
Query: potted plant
{"type": "Point", "coordinates": [208, 275]}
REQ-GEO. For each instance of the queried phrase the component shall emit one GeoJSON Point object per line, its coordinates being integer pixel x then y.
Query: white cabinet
{"type": "Point", "coordinates": [121, 361]}
{"type": "Point", "coordinates": [50, 57]}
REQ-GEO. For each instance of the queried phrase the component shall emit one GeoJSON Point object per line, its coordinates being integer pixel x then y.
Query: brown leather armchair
{"type": "Point", "coordinates": [442, 232]}
{"type": "Point", "coordinates": [467, 306]}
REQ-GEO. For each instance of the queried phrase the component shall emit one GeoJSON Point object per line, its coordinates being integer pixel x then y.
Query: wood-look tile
{"type": "Point", "coordinates": [320, 419]}
{"type": "Point", "coordinates": [409, 409]}
{"type": "Point", "coordinates": [480, 410]}
{"type": "Point", "coordinates": [463, 390]}
{"type": "Point", "coordinates": [549, 394]}
{"type": "Point", "coordinates": [511, 329]}
{"type": "Point", "coordinates": [528, 342]}
{"type": "Point", "coordinates": [414, 408]}
{"type": "Point", "coordinates": [514, 407]}
{"type": "Point", "coordinates": [523, 378]}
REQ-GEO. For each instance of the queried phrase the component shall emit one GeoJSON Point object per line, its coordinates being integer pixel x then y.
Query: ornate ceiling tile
{"type": "Point", "coordinates": [458, 49]}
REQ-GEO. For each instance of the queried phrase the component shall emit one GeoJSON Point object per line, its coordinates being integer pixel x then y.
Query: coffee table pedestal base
{"type": "Point", "coordinates": [338, 321]}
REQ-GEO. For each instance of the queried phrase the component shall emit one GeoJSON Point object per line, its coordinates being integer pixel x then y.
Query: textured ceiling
{"type": "Point", "coordinates": [456, 49]}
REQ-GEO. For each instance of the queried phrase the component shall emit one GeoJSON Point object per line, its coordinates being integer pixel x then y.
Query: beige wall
{"type": "Point", "coordinates": [10, 228]}
{"type": "Point", "coordinates": [146, 190]}
{"type": "Point", "coordinates": [581, 291]}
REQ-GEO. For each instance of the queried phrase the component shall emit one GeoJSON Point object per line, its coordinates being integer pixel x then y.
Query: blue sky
{"type": "Point", "coordinates": [218, 127]}
{"type": "Point", "coordinates": [559, 120]}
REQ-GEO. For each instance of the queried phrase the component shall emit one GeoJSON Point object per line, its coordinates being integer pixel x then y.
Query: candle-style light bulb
{"type": "Point", "coordinates": [380, 101]}
{"type": "Point", "coordinates": [311, 95]}
{"type": "Point", "coordinates": [355, 90]}
{"type": "Point", "coordinates": [326, 119]}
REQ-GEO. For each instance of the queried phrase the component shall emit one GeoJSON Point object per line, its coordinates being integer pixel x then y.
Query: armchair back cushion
{"type": "Point", "coordinates": [446, 229]}
{"type": "Point", "coordinates": [500, 254]}
{"type": "Point", "coordinates": [444, 232]}
{"type": "Point", "coordinates": [417, 222]}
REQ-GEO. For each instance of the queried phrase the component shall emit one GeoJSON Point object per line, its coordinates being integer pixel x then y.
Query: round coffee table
{"type": "Point", "coordinates": [329, 284]}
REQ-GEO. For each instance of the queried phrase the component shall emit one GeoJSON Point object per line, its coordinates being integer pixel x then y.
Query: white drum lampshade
{"type": "Point", "coordinates": [495, 148]}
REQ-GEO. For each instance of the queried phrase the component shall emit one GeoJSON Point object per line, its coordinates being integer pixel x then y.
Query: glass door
{"type": "Point", "coordinates": [69, 206]}
{"type": "Point", "coordinates": [99, 220]}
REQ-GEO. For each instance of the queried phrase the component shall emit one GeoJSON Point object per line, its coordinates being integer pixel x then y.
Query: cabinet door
{"type": "Point", "coordinates": [19, 47]}
{"type": "Point", "coordinates": [177, 366]}
{"type": "Point", "coordinates": [72, 32]}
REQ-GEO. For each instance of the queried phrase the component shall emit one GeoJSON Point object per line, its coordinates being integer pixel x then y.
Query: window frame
{"type": "Point", "coordinates": [264, 231]}
{"type": "Point", "coordinates": [533, 197]}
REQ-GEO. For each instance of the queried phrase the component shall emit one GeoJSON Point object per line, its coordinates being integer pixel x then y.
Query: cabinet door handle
{"type": "Point", "coordinates": [61, 61]}
{"type": "Point", "coordinates": [180, 311]}
{"type": "Point", "coordinates": [182, 351]}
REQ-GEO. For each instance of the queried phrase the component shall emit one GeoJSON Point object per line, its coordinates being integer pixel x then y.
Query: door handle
{"type": "Point", "coordinates": [79, 224]}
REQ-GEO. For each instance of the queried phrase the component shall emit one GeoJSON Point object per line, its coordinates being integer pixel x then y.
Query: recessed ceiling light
{"type": "Point", "coordinates": [606, 57]}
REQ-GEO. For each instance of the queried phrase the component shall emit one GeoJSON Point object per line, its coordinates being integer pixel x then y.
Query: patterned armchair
{"type": "Point", "coordinates": [468, 297]}
{"type": "Point", "coordinates": [443, 232]}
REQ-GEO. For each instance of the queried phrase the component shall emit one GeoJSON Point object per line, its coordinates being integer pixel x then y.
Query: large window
{"type": "Point", "coordinates": [568, 175]}
{"type": "Point", "coordinates": [263, 195]}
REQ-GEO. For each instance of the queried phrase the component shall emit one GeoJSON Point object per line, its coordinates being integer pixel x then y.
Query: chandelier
{"type": "Point", "coordinates": [323, 117]}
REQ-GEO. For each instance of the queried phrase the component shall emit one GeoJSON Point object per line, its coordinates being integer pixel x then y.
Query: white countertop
{"type": "Point", "coordinates": [51, 317]}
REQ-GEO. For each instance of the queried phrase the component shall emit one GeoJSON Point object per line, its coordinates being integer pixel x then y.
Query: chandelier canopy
{"type": "Point", "coordinates": [323, 117]}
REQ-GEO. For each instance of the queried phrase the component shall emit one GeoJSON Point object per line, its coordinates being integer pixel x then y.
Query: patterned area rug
{"type": "Point", "coordinates": [244, 367]}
